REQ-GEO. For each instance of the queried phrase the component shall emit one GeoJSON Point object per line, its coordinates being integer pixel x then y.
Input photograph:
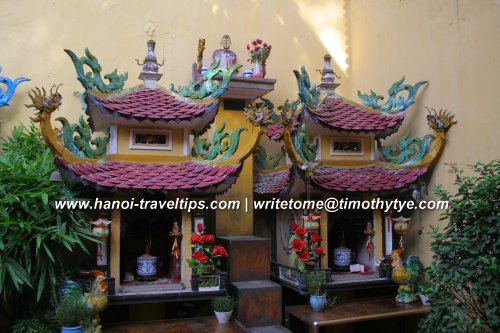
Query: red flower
{"type": "Point", "coordinates": [298, 244]}
{"type": "Point", "coordinates": [300, 231]}
{"type": "Point", "coordinates": [199, 227]}
{"type": "Point", "coordinates": [319, 251]}
{"type": "Point", "coordinates": [256, 49]}
{"type": "Point", "coordinates": [303, 255]}
{"type": "Point", "coordinates": [208, 238]}
{"type": "Point", "coordinates": [294, 226]}
{"type": "Point", "coordinates": [269, 48]}
{"type": "Point", "coordinates": [195, 238]}
{"type": "Point", "coordinates": [219, 251]}
{"type": "Point", "coordinates": [254, 43]}
{"type": "Point", "coordinates": [258, 40]}
{"type": "Point", "coordinates": [248, 47]}
{"type": "Point", "coordinates": [265, 44]}
{"type": "Point", "coordinates": [315, 238]}
{"type": "Point", "coordinates": [200, 256]}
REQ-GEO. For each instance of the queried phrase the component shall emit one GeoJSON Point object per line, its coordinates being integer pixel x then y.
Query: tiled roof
{"type": "Point", "coordinates": [188, 176]}
{"type": "Point", "coordinates": [371, 178]}
{"type": "Point", "coordinates": [270, 182]}
{"type": "Point", "coordinates": [150, 103]}
{"type": "Point", "coordinates": [339, 114]}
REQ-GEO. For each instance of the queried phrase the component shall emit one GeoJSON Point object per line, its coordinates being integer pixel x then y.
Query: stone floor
{"type": "Point", "coordinates": [187, 325]}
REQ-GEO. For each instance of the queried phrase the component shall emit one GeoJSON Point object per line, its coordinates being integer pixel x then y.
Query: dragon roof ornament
{"type": "Point", "coordinates": [11, 87]}
{"type": "Point", "coordinates": [393, 104]}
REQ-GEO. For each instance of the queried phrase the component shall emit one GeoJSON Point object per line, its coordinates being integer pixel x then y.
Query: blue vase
{"type": "Point", "coordinates": [318, 303]}
{"type": "Point", "coordinates": [76, 329]}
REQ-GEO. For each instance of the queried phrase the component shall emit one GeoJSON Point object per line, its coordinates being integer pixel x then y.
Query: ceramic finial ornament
{"type": "Point", "coordinates": [150, 66]}
{"type": "Point", "coordinates": [11, 85]}
{"type": "Point", "coordinates": [328, 76]}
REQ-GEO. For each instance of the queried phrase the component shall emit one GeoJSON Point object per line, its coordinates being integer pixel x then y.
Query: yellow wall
{"type": "Point", "coordinates": [366, 148]}
{"type": "Point", "coordinates": [124, 142]}
{"type": "Point", "coordinates": [237, 222]}
{"type": "Point", "coordinates": [453, 44]}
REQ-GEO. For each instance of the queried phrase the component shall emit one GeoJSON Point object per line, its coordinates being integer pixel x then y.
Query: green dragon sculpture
{"type": "Point", "coordinates": [409, 151]}
{"type": "Point", "coordinates": [93, 80]}
{"type": "Point", "coordinates": [264, 162]}
{"type": "Point", "coordinates": [308, 94]}
{"type": "Point", "coordinates": [393, 104]}
{"type": "Point", "coordinates": [307, 150]}
{"type": "Point", "coordinates": [224, 144]}
{"type": "Point", "coordinates": [207, 87]}
{"type": "Point", "coordinates": [81, 143]}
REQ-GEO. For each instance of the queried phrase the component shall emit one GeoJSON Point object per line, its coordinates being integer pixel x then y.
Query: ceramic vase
{"type": "Point", "coordinates": [223, 317]}
{"type": "Point", "coordinates": [258, 70]}
{"type": "Point", "coordinates": [318, 303]}
{"type": "Point", "coordinates": [342, 256]}
{"type": "Point", "coordinates": [146, 266]}
{"type": "Point", "coordinates": [425, 299]}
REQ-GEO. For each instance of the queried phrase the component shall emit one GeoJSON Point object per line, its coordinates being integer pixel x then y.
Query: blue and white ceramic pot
{"type": "Point", "coordinates": [342, 257]}
{"type": "Point", "coordinates": [146, 266]}
{"type": "Point", "coordinates": [318, 303]}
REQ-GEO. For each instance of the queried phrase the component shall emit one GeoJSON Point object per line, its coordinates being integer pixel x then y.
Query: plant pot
{"type": "Point", "coordinates": [76, 329]}
{"type": "Point", "coordinates": [223, 317]}
{"type": "Point", "coordinates": [425, 299]}
{"type": "Point", "coordinates": [318, 303]}
{"type": "Point", "coordinates": [257, 69]}
{"type": "Point", "coordinates": [146, 266]}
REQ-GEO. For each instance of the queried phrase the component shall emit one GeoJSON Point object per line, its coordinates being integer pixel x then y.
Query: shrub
{"type": "Point", "coordinates": [464, 273]}
{"type": "Point", "coordinates": [224, 303]}
{"type": "Point", "coordinates": [34, 236]}
{"type": "Point", "coordinates": [72, 310]}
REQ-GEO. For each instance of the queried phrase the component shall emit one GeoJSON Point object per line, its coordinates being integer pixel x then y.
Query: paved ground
{"type": "Point", "coordinates": [188, 325]}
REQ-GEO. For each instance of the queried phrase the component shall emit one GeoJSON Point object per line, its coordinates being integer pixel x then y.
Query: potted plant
{"type": "Point", "coordinates": [306, 247]}
{"type": "Point", "coordinates": [205, 256]}
{"type": "Point", "coordinates": [258, 53]}
{"type": "Point", "coordinates": [318, 298]}
{"type": "Point", "coordinates": [223, 308]}
{"type": "Point", "coordinates": [424, 290]}
{"type": "Point", "coordinates": [71, 312]}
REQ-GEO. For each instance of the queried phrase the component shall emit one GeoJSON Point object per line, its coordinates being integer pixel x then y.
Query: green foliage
{"type": "Point", "coordinates": [72, 310]}
{"type": "Point", "coordinates": [464, 273]}
{"type": "Point", "coordinates": [34, 236]}
{"type": "Point", "coordinates": [224, 303]}
{"type": "Point", "coordinates": [34, 325]}
{"type": "Point", "coordinates": [314, 281]}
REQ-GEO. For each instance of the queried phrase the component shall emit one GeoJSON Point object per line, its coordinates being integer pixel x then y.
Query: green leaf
{"type": "Point", "coordinates": [45, 198]}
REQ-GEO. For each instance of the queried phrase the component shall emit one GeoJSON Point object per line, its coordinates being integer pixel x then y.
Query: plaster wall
{"type": "Point", "coordinates": [452, 43]}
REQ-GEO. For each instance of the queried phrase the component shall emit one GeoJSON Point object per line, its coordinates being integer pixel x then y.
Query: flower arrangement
{"type": "Point", "coordinates": [205, 252]}
{"type": "Point", "coordinates": [258, 50]}
{"type": "Point", "coordinates": [305, 247]}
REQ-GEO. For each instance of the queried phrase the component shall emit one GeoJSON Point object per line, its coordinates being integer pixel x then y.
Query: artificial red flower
{"type": "Point", "coordinates": [248, 47]}
{"type": "Point", "coordinates": [315, 238]}
{"type": "Point", "coordinates": [200, 256]}
{"type": "Point", "coordinates": [303, 255]}
{"type": "Point", "coordinates": [254, 43]}
{"type": "Point", "coordinates": [209, 238]}
{"type": "Point", "coordinates": [294, 226]}
{"type": "Point", "coordinates": [199, 227]}
{"type": "Point", "coordinates": [265, 44]}
{"type": "Point", "coordinates": [256, 49]}
{"type": "Point", "coordinates": [319, 251]}
{"type": "Point", "coordinates": [269, 48]}
{"type": "Point", "coordinates": [298, 244]}
{"type": "Point", "coordinates": [219, 251]}
{"type": "Point", "coordinates": [300, 231]}
{"type": "Point", "coordinates": [195, 238]}
{"type": "Point", "coordinates": [258, 40]}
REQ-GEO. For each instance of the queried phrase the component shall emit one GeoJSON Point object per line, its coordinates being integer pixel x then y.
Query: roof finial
{"type": "Point", "coordinates": [150, 66]}
{"type": "Point", "coordinates": [328, 84]}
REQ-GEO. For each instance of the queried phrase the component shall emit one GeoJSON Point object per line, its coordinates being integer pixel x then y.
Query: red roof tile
{"type": "Point", "coordinates": [270, 182]}
{"type": "Point", "coordinates": [339, 114]}
{"type": "Point", "coordinates": [371, 178]}
{"type": "Point", "coordinates": [150, 103]}
{"type": "Point", "coordinates": [189, 176]}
